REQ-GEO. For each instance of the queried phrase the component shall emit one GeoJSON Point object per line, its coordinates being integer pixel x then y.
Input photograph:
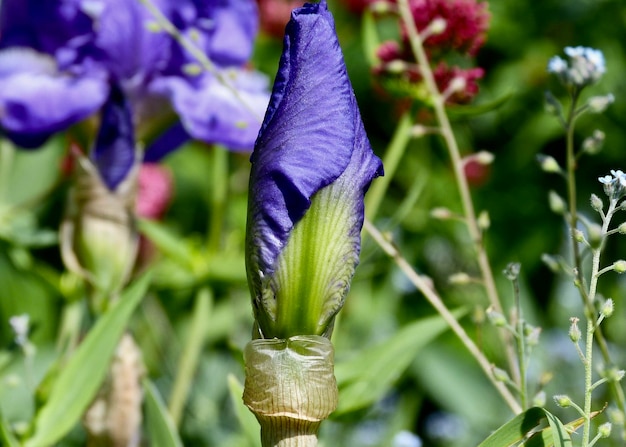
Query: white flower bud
{"type": "Point", "coordinates": [557, 204]}
{"type": "Point", "coordinates": [548, 164]}
{"type": "Point", "coordinates": [599, 104]}
{"type": "Point", "coordinates": [604, 430]}
{"type": "Point", "coordinates": [574, 330]}
{"type": "Point", "coordinates": [607, 308]}
{"type": "Point", "coordinates": [619, 266]}
{"type": "Point", "coordinates": [563, 400]}
{"type": "Point", "coordinates": [596, 203]}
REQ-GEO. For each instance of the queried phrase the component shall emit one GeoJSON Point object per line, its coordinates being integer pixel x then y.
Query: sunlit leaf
{"type": "Point", "coordinates": [161, 429]}
{"type": "Point", "coordinates": [365, 378]}
{"type": "Point", "coordinates": [79, 380]}
{"type": "Point", "coordinates": [246, 419]}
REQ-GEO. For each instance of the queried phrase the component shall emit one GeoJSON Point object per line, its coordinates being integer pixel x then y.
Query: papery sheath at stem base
{"type": "Point", "coordinates": [290, 387]}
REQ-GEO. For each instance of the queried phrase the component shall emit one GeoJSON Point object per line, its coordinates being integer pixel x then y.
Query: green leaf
{"type": "Point", "coordinates": [371, 40]}
{"type": "Point", "coordinates": [560, 436]}
{"type": "Point", "coordinates": [161, 428]}
{"type": "Point", "coordinates": [245, 417]}
{"type": "Point", "coordinates": [516, 429]}
{"type": "Point", "coordinates": [6, 436]}
{"type": "Point", "coordinates": [462, 111]}
{"type": "Point", "coordinates": [365, 378]}
{"type": "Point", "coordinates": [80, 379]}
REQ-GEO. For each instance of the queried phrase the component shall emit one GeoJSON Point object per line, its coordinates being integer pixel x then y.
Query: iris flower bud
{"type": "Point", "coordinates": [311, 166]}
{"type": "Point", "coordinates": [98, 235]}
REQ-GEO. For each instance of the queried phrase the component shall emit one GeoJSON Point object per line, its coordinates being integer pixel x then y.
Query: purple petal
{"type": "Point", "coordinates": [40, 104]}
{"type": "Point", "coordinates": [223, 29]}
{"type": "Point", "coordinates": [216, 113]}
{"type": "Point", "coordinates": [124, 43]}
{"type": "Point", "coordinates": [312, 134]}
{"type": "Point", "coordinates": [168, 141]}
{"type": "Point", "coordinates": [114, 151]}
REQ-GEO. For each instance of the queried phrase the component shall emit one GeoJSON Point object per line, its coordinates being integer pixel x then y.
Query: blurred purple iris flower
{"type": "Point", "coordinates": [61, 61]}
{"type": "Point", "coordinates": [312, 139]}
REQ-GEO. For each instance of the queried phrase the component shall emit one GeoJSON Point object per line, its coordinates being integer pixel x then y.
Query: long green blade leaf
{"type": "Point", "coordinates": [161, 428]}
{"type": "Point", "coordinates": [515, 430]}
{"type": "Point", "coordinates": [245, 417]}
{"type": "Point", "coordinates": [560, 436]}
{"type": "Point", "coordinates": [365, 378]}
{"type": "Point", "coordinates": [78, 382]}
{"type": "Point", "coordinates": [6, 436]}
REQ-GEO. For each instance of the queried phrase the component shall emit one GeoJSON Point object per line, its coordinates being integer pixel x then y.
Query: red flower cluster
{"type": "Point", "coordinates": [466, 23]}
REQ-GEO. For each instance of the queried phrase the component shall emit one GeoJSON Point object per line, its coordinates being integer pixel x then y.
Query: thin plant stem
{"type": "Point", "coordinates": [218, 197]}
{"type": "Point", "coordinates": [190, 356]}
{"type": "Point", "coordinates": [391, 160]}
{"type": "Point", "coordinates": [521, 346]}
{"type": "Point", "coordinates": [438, 104]}
{"type": "Point", "coordinates": [587, 297]}
{"type": "Point", "coordinates": [435, 300]}
{"type": "Point", "coordinates": [196, 52]}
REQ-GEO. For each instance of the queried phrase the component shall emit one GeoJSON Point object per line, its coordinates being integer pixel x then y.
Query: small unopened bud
{"type": "Point", "coordinates": [20, 324]}
{"type": "Point", "coordinates": [594, 234]}
{"type": "Point", "coordinates": [593, 144]}
{"type": "Point", "coordinates": [548, 164]}
{"type": "Point", "coordinates": [539, 400]}
{"type": "Point", "coordinates": [396, 66]}
{"type": "Point", "coordinates": [552, 105]}
{"type": "Point", "coordinates": [532, 335]}
{"type": "Point", "coordinates": [619, 266]}
{"type": "Point", "coordinates": [153, 26]}
{"type": "Point", "coordinates": [192, 69]}
{"type": "Point", "coordinates": [604, 430]}
{"type": "Point", "coordinates": [457, 84]}
{"type": "Point", "coordinates": [419, 130]}
{"type": "Point", "coordinates": [484, 157]}
{"type": "Point", "coordinates": [557, 204]}
{"type": "Point", "coordinates": [607, 308]}
{"type": "Point", "coordinates": [441, 213]}
{"type": "Point", "coordinates": [622, 228]}
{"type": "Point", "coordinates": [563, 400]}
{"type": "Point", "coordinates": [500, 375]}
{"type": "Point", "coordinates": [613, 374]}
{"type": "Point", "coordinates": [437, 26]}
{"type": "Point", "coordinates": [496, 318]}
{"type": "Point", "coordinates": [599, 104]}
{"type": "Point", "coordinates": [512, 270]}
{"type": "Point", "coordinates": [483, 221]}
{"type": "Point", "coordinates": [381, 7]}
{"type": "Point", "coordinates": [552, 263]}
{"type": "Point", "coordinates": [578, 235]}
{"type": "Point", "coordinates": [460, 278]}
{"type": "Point", "coordinates": [596, 203]}
{"type": "Point", "coordinates": [574, 330]}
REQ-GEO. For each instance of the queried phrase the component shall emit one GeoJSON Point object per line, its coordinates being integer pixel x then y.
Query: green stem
{"type": "Point", "coordinates": [6, 162]}
{"type": "Point", "coordinates": [218, 198]}
{"type": "Point", "coordinates": [191, 354]}
{"type": "Point", "coordinates": [425, 287]}
{"type": "Point", "coordinates": [391, 160]}
{"type": "Point", "coordinates": [521, 346]}
{"type": "Point", "coordinates": [438, 103]}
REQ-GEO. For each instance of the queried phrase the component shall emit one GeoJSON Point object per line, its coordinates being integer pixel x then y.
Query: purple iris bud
{"type": "Point", "coordinates": [311, 167]}
{"type": "Point", "coordinates": [114, 152]}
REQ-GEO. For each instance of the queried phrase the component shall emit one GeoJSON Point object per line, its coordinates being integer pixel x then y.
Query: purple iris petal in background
{"type": "Point", "coordinates": [36, 101]}
{"type": "Point", "coordinates": [223, 29]}
{"type": "Point", "coordinates": [114, 151]}
{"type": "Point", "coordinates": [311, 136]}
{"type": "Point", "coordinates": [226, 111]}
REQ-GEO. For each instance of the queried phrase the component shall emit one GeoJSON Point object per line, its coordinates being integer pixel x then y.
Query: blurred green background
{"type": "Point", "coordinates": [441, 396]}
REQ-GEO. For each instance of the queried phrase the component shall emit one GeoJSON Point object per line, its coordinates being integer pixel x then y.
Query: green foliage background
{"type": "Point", "coordinates": [202, 235]}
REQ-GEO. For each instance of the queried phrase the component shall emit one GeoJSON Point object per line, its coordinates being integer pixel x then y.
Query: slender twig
{"type": "Point", "coordinates": [196, 52]}
{"type": "Point", "coordinates": [447, 133]}
{"type": "Point", "coordinates": [435, 300]}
